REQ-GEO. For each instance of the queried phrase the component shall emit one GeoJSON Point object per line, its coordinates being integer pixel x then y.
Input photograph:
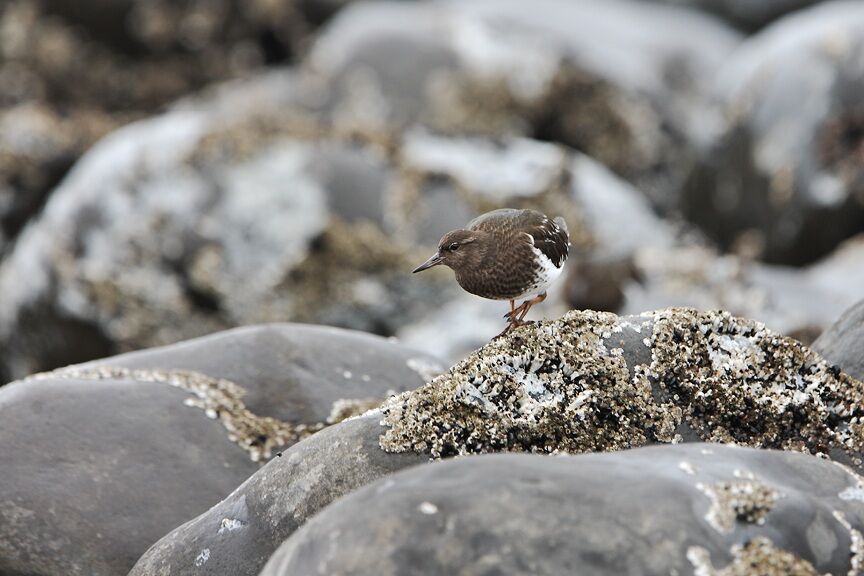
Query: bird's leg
{"type": "Point", "coordinates": [526, 306]}
{"type": "Point", "coordinates": [510, 316]}
{"type": "Point", "coordinates": [513, 311]}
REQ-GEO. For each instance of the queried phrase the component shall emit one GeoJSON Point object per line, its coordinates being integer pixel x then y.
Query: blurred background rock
{"type": "Point", "coordinates": [170, 168]}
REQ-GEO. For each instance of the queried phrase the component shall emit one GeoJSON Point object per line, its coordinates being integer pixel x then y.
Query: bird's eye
{"type": "Point", "coordinates": [453, 247]}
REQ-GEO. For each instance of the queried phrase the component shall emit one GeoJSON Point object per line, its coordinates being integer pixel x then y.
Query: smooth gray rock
{"type": "Point", "coordinates": [783, 173]}
{"type": "Point", "coordinates": [843, 343]}
{"type": "Point", "coordinates": [101, 460]}
{"type": "Point", "coordinates": [651, 511]}
{"type": "Point", "coordinates": [239, 534]}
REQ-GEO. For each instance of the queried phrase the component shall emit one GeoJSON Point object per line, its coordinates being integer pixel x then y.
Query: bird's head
{"type": "Point", "coordinates": [459, 249]}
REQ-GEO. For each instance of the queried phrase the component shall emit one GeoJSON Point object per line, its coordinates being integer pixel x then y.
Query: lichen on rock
{"type": "Point", "coordinates": [584, 383]}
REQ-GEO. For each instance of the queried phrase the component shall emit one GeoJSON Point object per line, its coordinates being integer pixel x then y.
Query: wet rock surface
{"type": "Point", "coordinates": [646, 511]}
{"type": "Point", "coordinates": [143, 442]}
{"type": "Point", "coordinates": [784, 172]}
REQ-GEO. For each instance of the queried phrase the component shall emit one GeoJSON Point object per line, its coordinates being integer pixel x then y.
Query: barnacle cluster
{"type": "Point", "coordinates": [591, 381]}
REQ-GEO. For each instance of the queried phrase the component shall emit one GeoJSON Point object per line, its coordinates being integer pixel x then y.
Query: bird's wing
{"type": "Point", "coordinates": [551, 238]}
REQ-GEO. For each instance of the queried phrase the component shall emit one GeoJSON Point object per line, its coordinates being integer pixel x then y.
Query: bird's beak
{"type": "Point", "coordinates": [435, 260]}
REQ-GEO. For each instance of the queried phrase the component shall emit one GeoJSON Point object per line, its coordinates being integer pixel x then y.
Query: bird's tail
{"type": "Point", "coordinates": [559, 220]}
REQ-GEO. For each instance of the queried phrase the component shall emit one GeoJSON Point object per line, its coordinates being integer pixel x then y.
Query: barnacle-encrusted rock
{"type": "Point", "coordinates": [101, 460]}
{"type": "Point", "coordinates": [37, 147]}
{"type": "Point", "coordinates": [628, 512]}
{"type": "Point", "coordinates": [602, 76]}
{"type": "Point", "coordinates": [795, 302]}
{"type": "Point", "coordinates": [785, 170]}
{"type": "Point", "coordinates": [594, 381]}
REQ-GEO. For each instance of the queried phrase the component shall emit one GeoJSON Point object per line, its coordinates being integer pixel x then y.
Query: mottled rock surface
{"type": "Point", "coordinates": [192, 222]}
{"type": "Point", "coordinates": [700, 509]}
{"type": "Point", "coordinates": [37, 147]}
{"type": "Point", "coordinates": [612, 78]}
{"type": "Point", "coordinates": [596, 382]}
{"type": "Point", "coordinates": [101, 460]}
{"type": "Point", "coordinates": [843, 343]}
{"type": "Point", "coordinates": [239, 534]}
{"type": "Point", "coordinates": [798, 302]}
{"type": "Point", "coordinates": [785, 172]}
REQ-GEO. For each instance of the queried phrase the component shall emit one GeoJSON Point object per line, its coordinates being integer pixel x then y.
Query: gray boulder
{"type": "Point", "coordinates": [239, 534]}
{"type": "Point", "coordinates": [584, 383]}
{"type": "Point", "coordinates": [613, 78]}
{"type": "Point", "coordinates": [203, 219]}
{"type": "Point", "coordinates": [102, 459]}
{"type": "Point", "coordinates": [784, 172]}
{"type": "Point", "coordinates": [688, 509]}
{"type": "Point", "coordinates": [798, 302]}
{"type": "Point", "coordinates": [843, 343]}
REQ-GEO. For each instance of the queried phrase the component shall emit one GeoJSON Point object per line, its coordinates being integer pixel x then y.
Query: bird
{"type": "Point", "coordinates": [506, 254]}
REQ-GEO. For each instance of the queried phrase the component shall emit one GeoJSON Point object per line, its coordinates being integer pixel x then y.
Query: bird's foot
{"type": "Point", "coordinates": [513, 315]}
{"type": "Point", "coordinates": [514, 324]}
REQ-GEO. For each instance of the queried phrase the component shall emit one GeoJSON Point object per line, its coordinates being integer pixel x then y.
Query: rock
{"type": "Point", "coordinates": [282, 218]}
{"type": "Point", "coordinates": [239, 534]}
{"type": "Point", "coordinates": [784, 172]}
{"type": "Point", "coordinates": [746, 14]}
{"type": "Point", "coordinates": [122, 56]}
{"type": "Point", "coordinates": [592, 381]}
{"type": "Point", "coordinates": [799, 302]}
{"type": "Point", "coordinates": [37, 147]}
{"type": "Point", "coordinates": [843, 343]}
{"type": "Point", "coordinates": [697, 508]}
{"type": "Point", "coordinates": [194, 221]}
{"type": "Point", "coordinates": [100, 460]}
{"type": "Point", "coordinates": [580, 74]}
{"type": "Point", "coordinates": [587, 382]}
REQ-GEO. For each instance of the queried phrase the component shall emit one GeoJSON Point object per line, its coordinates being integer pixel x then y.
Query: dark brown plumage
{"type": "Point", "coordinates": [506, 254]}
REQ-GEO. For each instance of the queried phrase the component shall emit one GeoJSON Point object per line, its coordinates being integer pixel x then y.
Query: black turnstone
{"type": "Point", "coordinates": [506, 254]}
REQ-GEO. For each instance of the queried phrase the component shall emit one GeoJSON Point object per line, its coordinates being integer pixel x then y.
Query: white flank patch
{"type": "Point", "coordinates": [546, 275]}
